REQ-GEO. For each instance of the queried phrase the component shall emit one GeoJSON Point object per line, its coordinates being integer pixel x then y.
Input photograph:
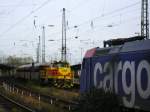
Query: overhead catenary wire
{"type": "Point", "coordinates": [78, 5]}
{"type": "Point", "coordinates": [25, 17]}
{"type": "Point", "coordinates": [16, 6]}
{"type": "Point", "coordinates": [100, 17]}
{"type": "Point", "coordinates": [104, 5]}
{"type": "Point", "coordinates": [71, 10]}
{"type": "Point", "coordinates": [114, 25]}
{"type": "Point", "coordinates": [101, 27]}
{"type": "Point", "coordinates": [47, 1]}
{"type": "Point", "coordinates": [110, 13]}
{"type": "Point", "coordinates": [95, 24]}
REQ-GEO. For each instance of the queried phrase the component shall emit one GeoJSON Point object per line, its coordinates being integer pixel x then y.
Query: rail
{"type": "Point", "coordinates": [16, 103]}
{"type": "Point", "coordinates": [69, 105]}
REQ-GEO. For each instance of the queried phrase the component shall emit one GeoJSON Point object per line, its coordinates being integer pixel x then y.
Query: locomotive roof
{"type": "Point", "coordinates": [137, 45]}
{"type": "Point", "coordinates": [60, 62]}
{"type": "Point", "coordinates": [120, 41]}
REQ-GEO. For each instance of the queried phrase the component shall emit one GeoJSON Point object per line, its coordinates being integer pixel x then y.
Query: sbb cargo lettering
{"type": "Point", "coordinates": [111, 73]}
{"type": "Point", "coordinates": [121, 66]}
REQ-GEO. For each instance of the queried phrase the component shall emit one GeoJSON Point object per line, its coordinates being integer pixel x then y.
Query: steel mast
{"type": "Point", "coordinates": [63, 49]}
{"type": "Point", "coordinates": [144, 19]}
{"type": "Point", "coordinates": [43, 44]}
{"type": "Point", "coordinates": [38, 51]}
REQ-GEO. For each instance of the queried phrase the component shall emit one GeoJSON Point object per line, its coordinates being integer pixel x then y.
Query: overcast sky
{"type": "Point", "coordinates": [96, 20]}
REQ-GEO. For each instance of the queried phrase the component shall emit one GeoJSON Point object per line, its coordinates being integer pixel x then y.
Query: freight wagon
{"type": "Point", "coordinates": [122, 67]}
{"type": "Point", "coordinates": [32, 71]}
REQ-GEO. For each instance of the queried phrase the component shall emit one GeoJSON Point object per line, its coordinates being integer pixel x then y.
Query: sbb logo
{"type": "Point", "coordinates": [110, 74]}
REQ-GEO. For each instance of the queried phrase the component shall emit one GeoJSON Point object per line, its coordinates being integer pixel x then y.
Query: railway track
{"type": "Point", "coordinates": [65, 104]}
{"type": "Point", "coordinates": [9, 105]}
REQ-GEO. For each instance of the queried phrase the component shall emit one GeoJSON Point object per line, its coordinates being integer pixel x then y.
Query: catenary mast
{"type": "Point", "coordinates": [63, 49]}
{"type": "Point", "coordinates": [43, 44]}
{"type": "Point", "coordinates": [144, 19]}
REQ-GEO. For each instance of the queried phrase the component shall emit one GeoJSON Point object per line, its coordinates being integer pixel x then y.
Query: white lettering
{"type": "Point", "coordinates": [125, 70]}
{"type": "Point", "coordinates": [108, 78]}
{"type": "Point", "coordinates": [131, 88]}
{"type": "Point", "coordinates": [143, 93]}
{"type": "Point", "coordinates": [118, 67]}
{"type": "Point", "coordinates": [98, 67]}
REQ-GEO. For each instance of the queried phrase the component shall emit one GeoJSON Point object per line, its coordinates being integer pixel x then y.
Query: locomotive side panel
{"type": "Point", "coordinates": [126, 74]}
